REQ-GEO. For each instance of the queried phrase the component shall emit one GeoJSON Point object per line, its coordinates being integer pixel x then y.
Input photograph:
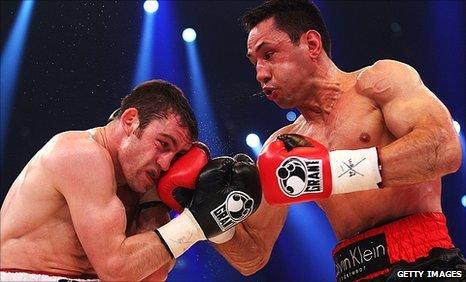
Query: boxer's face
{"type": "Point", "coordinates": [145, 154]}
{"type": "Point", "coordinates": [282, 68]}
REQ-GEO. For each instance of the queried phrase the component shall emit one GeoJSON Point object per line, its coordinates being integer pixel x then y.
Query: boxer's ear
{"type": "Point", "coordinates": [313, 41]}
{"type": "Point", "coordinates": [130, 120]}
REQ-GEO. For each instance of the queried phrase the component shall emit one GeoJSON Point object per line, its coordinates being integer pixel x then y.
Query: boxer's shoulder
{"type": "Point", "coordinates": [382, 79]}
{"type": "Point", "coordinates": [290, 128]}
{"type": "Point", "coordinates": [75, 151]}
{"type": "Point", "coordinates": [71, 144]}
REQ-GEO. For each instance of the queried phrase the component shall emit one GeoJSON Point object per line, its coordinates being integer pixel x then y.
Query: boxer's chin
{"type": "Point", "coordinates": [284, 105]}
{"type": "Point", "coordinates": [285, 102]}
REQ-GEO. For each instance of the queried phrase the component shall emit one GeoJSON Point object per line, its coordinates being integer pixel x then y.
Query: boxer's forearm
{"type": "Point", "coordinates": [135, 258]}
{"type": "Point", "coordinates": [422, 155]}
{"type": "Point", "coordinates": [162, 273]}
{"type": "Point", "coordinates": [250, 248]}
{"type": "Point", "coordinates": [245, 251]}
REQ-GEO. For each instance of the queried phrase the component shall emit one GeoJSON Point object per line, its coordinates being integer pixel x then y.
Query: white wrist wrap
{"type": "Point", "coordinates": [223, 237]}
{"type": "Point", "coordinates": [181, 233]}
{"type": "Point", "coordinates": [354, 170]}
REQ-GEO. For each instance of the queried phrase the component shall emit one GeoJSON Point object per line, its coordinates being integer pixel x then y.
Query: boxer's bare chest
{"type": "Point", "coordinates": [356, 122]}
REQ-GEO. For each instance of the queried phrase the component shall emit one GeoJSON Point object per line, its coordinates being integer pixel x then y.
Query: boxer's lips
{"type": "Point", "coordinates": [272, 95]}
{"type": "Point", "coordinates": [270, 92]}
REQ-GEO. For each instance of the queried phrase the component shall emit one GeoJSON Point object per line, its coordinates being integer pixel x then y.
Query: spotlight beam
{"type": "Point", "coordinates": [144, 62]}
{"type": "Point", "coordinates": [208, 129]}
{"type": "Point", "coordinates": [10, 65]}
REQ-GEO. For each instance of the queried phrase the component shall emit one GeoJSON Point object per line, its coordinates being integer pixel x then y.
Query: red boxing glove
{"type": "Point", "coordinates": [296, 168]}
{"type": "Point", "coordinates": [176, 187]}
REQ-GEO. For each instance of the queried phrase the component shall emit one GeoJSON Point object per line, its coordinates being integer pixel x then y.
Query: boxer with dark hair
{"type": "Point", "coordinates": [365, 148]}
{"type": "Point", "coordinates": [82, 208]}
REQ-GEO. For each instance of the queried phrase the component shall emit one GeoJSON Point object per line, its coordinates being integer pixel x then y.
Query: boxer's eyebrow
{"type": "Point", "coordinates": [173, 140]}
{"type": "Point", "coordinates": [257, 49]}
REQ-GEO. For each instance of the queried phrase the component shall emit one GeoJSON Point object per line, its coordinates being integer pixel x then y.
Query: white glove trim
{"type": "Point", "coordinates": [354, 170]}
{"type": "Point", "coordinates": [181, 233]}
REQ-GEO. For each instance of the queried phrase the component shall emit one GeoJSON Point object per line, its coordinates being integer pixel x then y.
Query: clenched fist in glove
{"type": "Point", "coordinates": [176, 187]}
{"type": "Point", "coordinates": [227, 192]}
{"type": "Point", "coordinates": [294, 168]}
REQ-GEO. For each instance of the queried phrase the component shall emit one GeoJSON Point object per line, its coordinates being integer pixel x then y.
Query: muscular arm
{"type": "Point", "coordinates": [250, 248]}
{"type": "Point", "coordinates": [85, 178]}
{"type": "Point", "coordinates": [150, 218]}
{"type": "Point", "coordinates": [427, 146]}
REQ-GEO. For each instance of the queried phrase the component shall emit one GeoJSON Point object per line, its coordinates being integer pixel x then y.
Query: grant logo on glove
{"type": "Point", "coordinates": [227, 191]}
{"type": "Point", "coordinates": [235, 209]}
{"type": "Point", "coordinates": [295, 168]}
{"type": "Point", "coordinates": [299, 176]}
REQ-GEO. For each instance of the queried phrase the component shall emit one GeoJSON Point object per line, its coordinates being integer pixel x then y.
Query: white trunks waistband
{"type": "Point", "coordinates": [25, 276]}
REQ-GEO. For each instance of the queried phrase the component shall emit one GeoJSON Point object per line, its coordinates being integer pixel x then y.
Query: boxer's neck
{"type": "Point", "coordinates": [325, 88]}
{"type": "Point", "coordinates": [108, 137]}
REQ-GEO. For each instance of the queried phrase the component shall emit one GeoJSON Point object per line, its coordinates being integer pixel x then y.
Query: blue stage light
{"type": "Point", "coordinates": [144, 64]}
{"type": "Point", "coordinates": [200, 100]}
{"type": "Point", "coordinates": [253, 140]}
{"type": "Point", "coordinates": [11, 58]}
{"type": "Point", "coordinates": [159, 55]}
{"type": "Point", "coordinates": [291, 116]}
{"type": "Point", "coordinates": [463, 201]}
{"type": "Point", "coordinates": [457, 126]}
{"type": "Point", "coordinates": [151, 6]}
{"type": "Point", "coordinates": [189, 35]}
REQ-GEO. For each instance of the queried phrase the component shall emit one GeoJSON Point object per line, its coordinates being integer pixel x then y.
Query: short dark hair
{"type": "Point", "coordinates": [155, 99]}
{"type": "Point", "coordinates": [294, 17]}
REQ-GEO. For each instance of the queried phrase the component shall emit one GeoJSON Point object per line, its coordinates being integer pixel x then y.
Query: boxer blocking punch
{"type": "Point", "coordinates": [227, 191]}
{"type": "Point", "coordinates": [95, 220]}
{"type": "Point", "coordinates": [90, 184]}
{"type": "Point", "coordinates": [176, 187]}
{"type": "Point", "coordinates": [295, 168]}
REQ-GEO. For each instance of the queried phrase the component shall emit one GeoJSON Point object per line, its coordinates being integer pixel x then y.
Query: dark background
{"type": "Point", "coordinates": [80, 58]}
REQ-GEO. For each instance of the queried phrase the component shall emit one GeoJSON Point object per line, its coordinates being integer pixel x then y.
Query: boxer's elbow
{"type": "Point", "coordinates": [111, 273]}
{"type": "Point", "coordinates": [252, 269]}
{"type": "Point", "coordinates": [452, 155]}
{"type": "Point", "coordinates": [454, 162]}
{"type": "Point", "coordinates": [442, 152]}
{"type": "Point", "coordinates": [259, 259]}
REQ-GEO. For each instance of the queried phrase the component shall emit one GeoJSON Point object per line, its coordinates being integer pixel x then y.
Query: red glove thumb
{"type": "Point", "coordinates": [176, 187]}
